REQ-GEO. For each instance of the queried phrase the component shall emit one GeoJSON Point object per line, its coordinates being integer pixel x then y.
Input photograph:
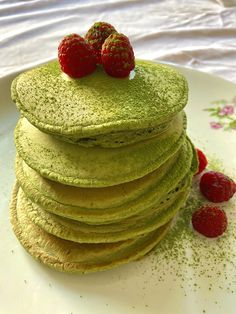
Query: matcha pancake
{"type": "Point", "coordinates": [69, 256]}
{"type": "Point", "coordinates": [117, 139]}
{"type": "Point", "coordinates": [99, 104]}
{"type": "Point", "coordinates": [101, 198]}
{"type": "Point", "coordinates": [95, 166]}
{"type": "Point", "coordinates": [125, 229]}
{"type": "Point", "coordinates": [54, 197]}
{"type": "Point", "coordinates": [89, 198]}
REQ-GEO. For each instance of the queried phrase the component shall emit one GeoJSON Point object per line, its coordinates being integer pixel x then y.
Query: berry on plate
{"type": "Point", "coordinates": [96, 36]}
{"type": "Point", "coordinates": [76, 56]}
{"type": "Point", "coordinates": [209, 221]}
{"type": "Point", "coordinates": [117, 55]}
{"type": "Point", "coordinates": [217, 187]}
{"type": "Point", "coordinates": [202, 161]}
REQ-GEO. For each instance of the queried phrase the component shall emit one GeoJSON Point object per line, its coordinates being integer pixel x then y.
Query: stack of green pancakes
{"type": "Point", "coordinates": [103, 164]}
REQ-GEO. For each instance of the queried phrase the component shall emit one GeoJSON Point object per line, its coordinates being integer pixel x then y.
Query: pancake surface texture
{"type": "Point", "coordinates": [103, 165]}
{"type": "Point", "coordinates": [98, 103]}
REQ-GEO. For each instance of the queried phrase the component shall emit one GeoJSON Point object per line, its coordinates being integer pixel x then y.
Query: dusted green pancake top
{"type": "Point", "coordinates": [99, 103]}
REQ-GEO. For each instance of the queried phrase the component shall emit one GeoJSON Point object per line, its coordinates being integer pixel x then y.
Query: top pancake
{"type": "Point", "coordinates": [99, 104]}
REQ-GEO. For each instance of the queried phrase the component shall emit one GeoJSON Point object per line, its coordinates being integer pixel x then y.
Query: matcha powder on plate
{"type": "Point", "coordinates": [193, 260]}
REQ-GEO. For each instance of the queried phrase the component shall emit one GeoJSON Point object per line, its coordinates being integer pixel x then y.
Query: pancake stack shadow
{"type": "Point", "coordinates": [90, 198]}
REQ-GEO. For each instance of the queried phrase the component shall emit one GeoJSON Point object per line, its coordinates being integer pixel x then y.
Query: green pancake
{"type": "Point", "coordinates": [89, 198]}
{"type": "Point", "coordinates": [105, 205]}
{"type": "Point", "coordinates": [117, 139]}
{"type": "Point", "coordinates": [99, 109]}
{"type": "Point", "coordinates": [68, 256]}
{"type": "Point", "coordinates": [123, 230]}
{"type": "Point", "coordinates": [102, 198]}
{"type": "Point", "coordinates": [95, 166]}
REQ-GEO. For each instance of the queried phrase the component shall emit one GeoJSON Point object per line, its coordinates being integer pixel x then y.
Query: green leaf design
{"type": "Point", "coordinates": [232, 124]}
{"type": "Point", "coordinates": [214, 114]}
{"type": "Point", "coordinates": [229, 118]}
{"type": "Point", "coordinates": [209, 109]}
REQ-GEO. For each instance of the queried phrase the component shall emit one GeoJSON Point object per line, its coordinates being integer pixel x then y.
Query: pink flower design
{"type": "Point", "coordinates": [227, 110]}
{"type": "Point", "coordinates": [216, 125]}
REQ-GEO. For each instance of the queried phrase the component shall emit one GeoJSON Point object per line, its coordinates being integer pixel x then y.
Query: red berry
{"type": "Point", "coordinates": [202, 161]}
{"type": "Point", "coordinates": [217, 187]}
{"type": "Point", "coordinates": [117, 55]}
{"type": "Point", "coordinates": [209, 221]}
{"type": "Point", "coordinates": [76, 57]}
{"type": "Point", "coordinates": [96, 36]}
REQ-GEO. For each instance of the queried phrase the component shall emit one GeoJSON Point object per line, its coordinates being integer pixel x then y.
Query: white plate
{"type": "Point", "coordinates": [26, 286]}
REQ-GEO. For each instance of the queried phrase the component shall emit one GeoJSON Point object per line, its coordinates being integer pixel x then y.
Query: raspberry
{"type": "Point", "coordinates": [217, 187]}
{"type": "Point", "coordinates": [117, 55]}
{"type": "Point", "coordinates": [209, 221]}
{"type": "Point", "coordinates": [202, 161]}
{"type": "Point", "coordinates": [96, 36]}
{"type": "Point", "coordinates": [76, 57]}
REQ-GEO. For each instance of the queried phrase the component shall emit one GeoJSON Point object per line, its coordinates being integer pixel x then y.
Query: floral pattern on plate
{"type": "Point", "coordinates": [223, 114]}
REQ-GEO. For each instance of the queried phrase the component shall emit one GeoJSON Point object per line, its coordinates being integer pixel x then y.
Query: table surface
{"type": "Point", "coordinates": [199, 34]}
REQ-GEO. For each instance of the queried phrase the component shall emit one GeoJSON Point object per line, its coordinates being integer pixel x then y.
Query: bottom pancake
{"type": "Point", "coordinates": [68, 256]}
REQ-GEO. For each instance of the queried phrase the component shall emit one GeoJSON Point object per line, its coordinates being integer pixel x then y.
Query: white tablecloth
{"type": "Point", "coordinates": [200, 34]}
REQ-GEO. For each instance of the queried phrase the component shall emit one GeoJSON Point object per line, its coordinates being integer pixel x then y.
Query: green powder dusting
{"type": "Point", "coordinates": [47, 98]}
{"type": "Point", "coordinates": [192, 260]}
{"type": "Point", "coordinates": [215, 164]}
